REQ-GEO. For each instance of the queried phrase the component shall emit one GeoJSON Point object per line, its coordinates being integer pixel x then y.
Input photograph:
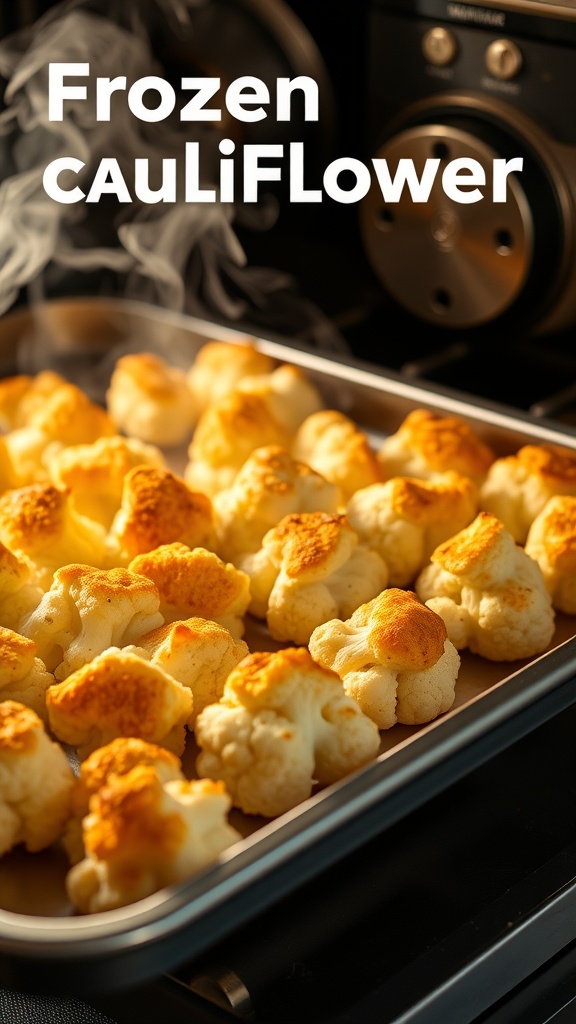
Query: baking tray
{"type": "Point", "coordinates": [44, 945]}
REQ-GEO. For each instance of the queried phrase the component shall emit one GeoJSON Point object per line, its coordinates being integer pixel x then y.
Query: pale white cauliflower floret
{"type": "Point", "coordinates": [551, 542]}
{"type": "Point", "coordinates": [282, 724]}
{"type": "Point", "coordinates": [518, 486]}
{"type": "Point", "coordinates": [491, 595]}
{"type": "Point", "coordinates": [142, 834]}
{"type": "Point", "coordinates": [394, 659]}
{"type": "Point", "coordinates": [88, 610]}
{"type": "Point", "coordinates": [404, 519]}
{"type": "Point", "coordinates": [36, 781]}
{"type": "Point", "coordinates": [311, 568]}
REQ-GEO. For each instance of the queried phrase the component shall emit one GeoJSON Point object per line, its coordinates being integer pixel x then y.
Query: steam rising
{"type": "Point", "coordinates": [186, 257]}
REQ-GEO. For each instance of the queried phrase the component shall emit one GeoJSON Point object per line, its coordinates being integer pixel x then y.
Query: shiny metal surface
{"type": "Point", "coordinates": [450, 263]}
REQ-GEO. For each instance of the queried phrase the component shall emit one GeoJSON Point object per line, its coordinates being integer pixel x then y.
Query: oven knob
{"type": "Point", "coordinates": [503, 59]}
{"type": "Point", "coordinates": [439, 46]}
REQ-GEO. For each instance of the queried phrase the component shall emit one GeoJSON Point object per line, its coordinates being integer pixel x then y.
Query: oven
{"type": "Point", "coordinates": [447, 895]}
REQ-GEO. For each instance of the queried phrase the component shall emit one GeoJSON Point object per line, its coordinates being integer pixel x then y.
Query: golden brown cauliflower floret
{"type": "Point", "coordinates": [149, 399]}
{"type": "Point", "coordinates": [12, 391]}
{"type": "Point", "coordinates": [88, 610]}
{"type": "Point", "coordinates": [142, 834]}
{"type": "Point", "coordinates": [95, 473]}
{"type": "Point", "coordinates": [196, 583]}
{"type": "Point", "coordinates": [65, 416]}
{"type": "Point", "coordinates": [288, 394]}
{"type": "Point", "coordinates": [8, 473]}
{"type": "Point", "coordinates": [491, 595]}
{"type": "Point", "coordinates": [116, 694]}
{"type": "Point", "coordinates": [282, 724]}
{"type": "Point", "coordinates": [23, 676]}
{"type": "Point", "coordinates": [39, 524]}
{"type": "Point", "coordinates": [309, 569]}
{"type": "Point", "coordinates": [227, 432]}
{"type": "Point", "coordinates": [158, 508]}
{"type": "Point", "coordinates": [198, 653]}
{"type": "Point", "coordinates": [404, 519]}
{"type": "Point", "coordinates": [518, 486]}
{"type": "Point", "coordinates": [427, 443]}
{"type": "Point", "coordinates": [37, 781]}
{"type": "Point", "coordinates": [334, 446]}
{"type": "Point", "coordinates": [393, 657]}
{"type": "Point", "coordinates": [551, 543]}
{"type": "Point", "coordinates": [18, 595]}
{"type": "Point", "coordinates": [118, 757]}
{"type": "Point", "coordinates": [21, 394]}
{"type": "Point", "coordinates": [269, 486]}
{"type": "Point", "coordinates": [219, 366]}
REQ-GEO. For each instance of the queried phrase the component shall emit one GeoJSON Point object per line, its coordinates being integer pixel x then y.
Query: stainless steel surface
{"type": "Point", "coordinates": [450, 263]}
{"type": "Point", "coordinates": [36, 923]}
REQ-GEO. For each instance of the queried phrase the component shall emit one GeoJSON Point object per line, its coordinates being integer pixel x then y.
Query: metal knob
{"type": "Point", "coordinates": [503, 59]}
{"type": "Point", "coordinates": [439, 46]}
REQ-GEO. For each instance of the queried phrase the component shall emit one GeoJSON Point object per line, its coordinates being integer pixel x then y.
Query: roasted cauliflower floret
{"type": "Point", "coordinates": [158, 508]}
{"type": "Point", "coordinates": [116, 694]}
{"type": "Point", "coordinates": [40, 525]}
{"type": "Point", "coordinates": [404, 519]}
{"type": "Point", "coordinates": [551, 543]}
{"type": "Point", "coordinates": [143, 834]}
{"type": "Point", "coordinates": [518, 486]}
{"type": "Point", "coordinates": [88, 610]}
{"type": "Point", "coordinates": [269, 486]}
{"type": "Point", "coordinates": [149, 399]}
{"type": "Point", "coordinates": [23, 676]}
{"type": "Point", "coordinates": [18, 595]}
{"type": "Point", "coordinates": [226, 434]}
{"type": "Point", "coordinates": [288, 394]}
{"type": "Point", "coordinates": [309, 569]}
{"type": "Point", "coordinates": [219, 366]}
{"type": "Point", "coordinates": [427, 443]}
{"type": "Point", "coordinates": [491, 595]}
{"type": "Point", "coordinates": [196, 583]}
{"type": "Point", "coordinates": [393, 657]}
{"type": "Point", "coordinates": [9, 476]}
{"type": "Point", "coordinates": [198, 653]}
{"type": "Point", "coordinates": [282, 724]}
{"type": "Point", "coordinates": [118, 757]}
{"type": "Point", "coordinates": [94, 473]}
{"type": "Point", "coordinates": [334, 446]}
{"type": "Point", "coordinates": [37, 781]}
{"type": "Point", "coordinates": [63, 416]}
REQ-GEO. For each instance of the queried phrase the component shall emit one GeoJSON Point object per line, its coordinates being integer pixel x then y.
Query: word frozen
{"type": "Point", "coordinates": [461, 179]}
{"type": "Point", "coordinates": [244, 97]}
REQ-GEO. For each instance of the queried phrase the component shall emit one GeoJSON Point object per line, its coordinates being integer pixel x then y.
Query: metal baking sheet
{"type": "Point", "coordinates": [43, 943]}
